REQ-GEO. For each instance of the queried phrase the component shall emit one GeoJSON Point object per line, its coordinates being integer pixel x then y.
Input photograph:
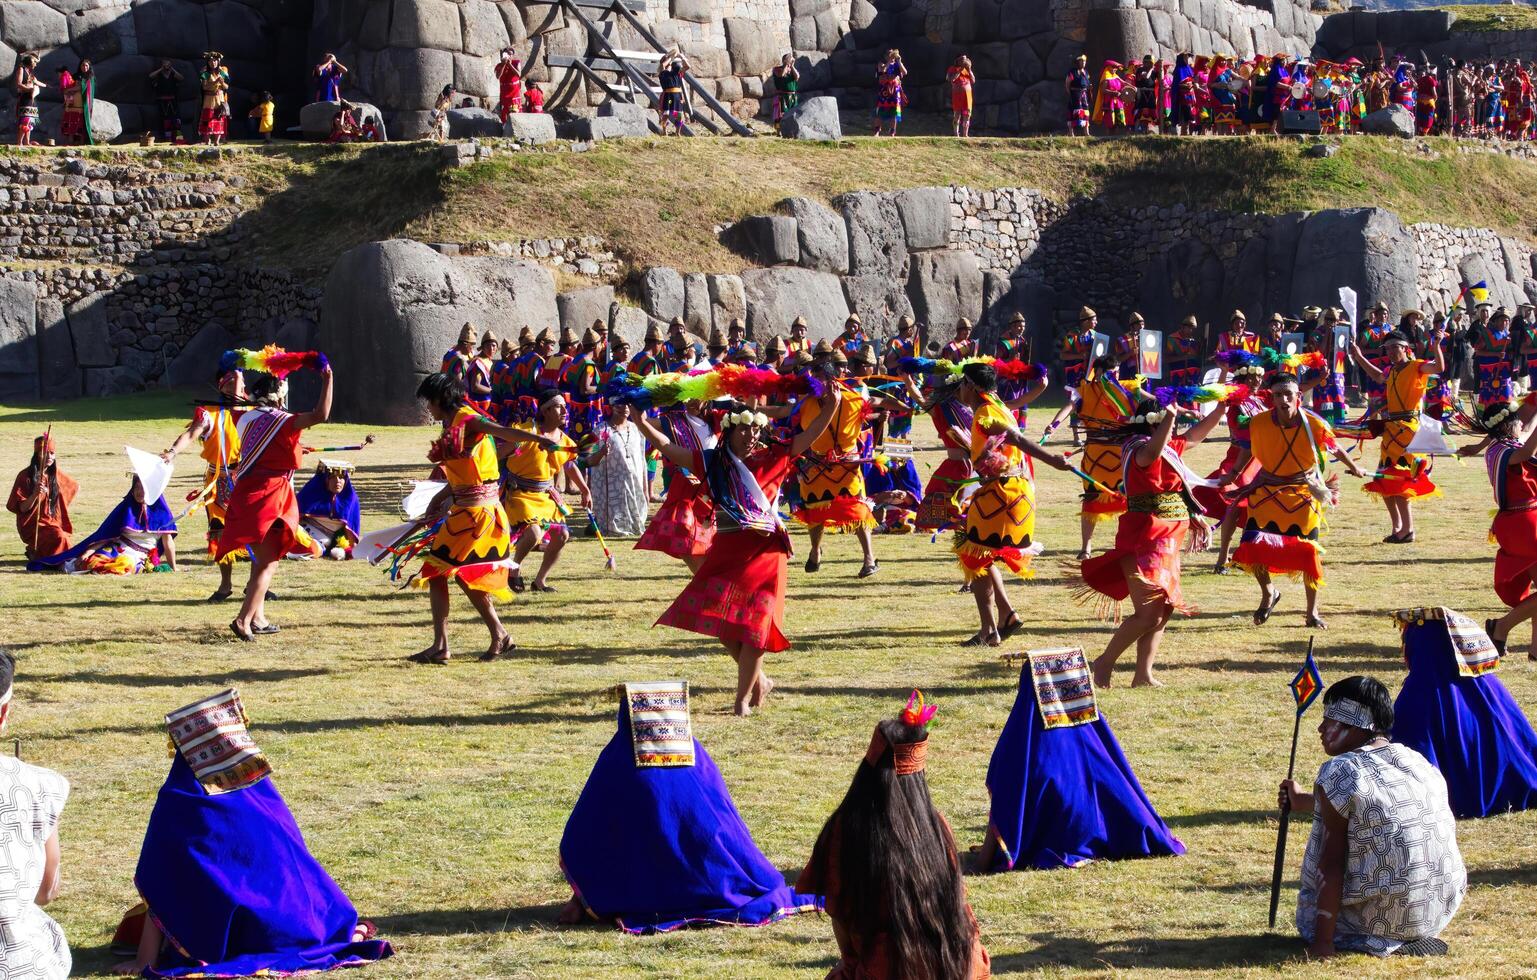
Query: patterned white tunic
{"type": "Point", "coordinates": [1404, 877]}
{"type": "Point", "coordinates": [618, 481]}
{"type": "Point", "coordinates": [32, 945]}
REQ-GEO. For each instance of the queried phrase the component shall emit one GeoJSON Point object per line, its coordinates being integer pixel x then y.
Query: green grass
{"type": "Point", "coordinates": [436, 798]}
{"type": "Point", "coordinates": [1478, 18]}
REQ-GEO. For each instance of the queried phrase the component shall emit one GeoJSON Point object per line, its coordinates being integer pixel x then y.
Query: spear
{"type": "Point", "coordinates": [1305, 687]}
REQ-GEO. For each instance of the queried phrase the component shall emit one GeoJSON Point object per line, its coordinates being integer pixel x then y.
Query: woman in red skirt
{"type": "Point", "coordinates": [738, 593]}
{"type": "Point", "coordinates": [1228, 473]}
{"type": "Point", "coordinates": [262, 515]}
{"type": "Point", "coordinates": [685, 523]}
{"type": "Point", "coordinates": [952, 422]}
{"type": "Point", "coordinates": [1144, 564]}
{"type": "Point", "coordinates": [1512, 440]}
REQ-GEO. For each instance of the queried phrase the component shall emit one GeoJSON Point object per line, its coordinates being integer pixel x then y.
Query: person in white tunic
{"type": "Point", "coordinates": [617, 475]}
{"type": "Point", "coordinates": [31, 799]}
{"type": "Point", "coordinates": [1382, 873]}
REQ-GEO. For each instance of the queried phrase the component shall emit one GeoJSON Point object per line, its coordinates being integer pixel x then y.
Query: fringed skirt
{"type": "Point", "coordinates": [1000, 520]}
{"type": "Point", "coordinates": [1211, 499]}
{"type": "Point", "coordinates": [738, 594]}
{"type": "Point", "coordinates": [833, 496]}
{"type": "Point", "coordinates": [938, 509]}
{"type": "Point", "coordinates": [1401, 473]}
{"type": "Point", "coordinates": [1146, 546]}
{"type": "Point", "coordinates": [1102, 461]}
{"type": "Point", "coordinates": [473, 545]}
{"type": "Point", "coordinates": [684, 525]}
{"type": "Point", "coordinates": [1281, 534]}
{"type": "Point", "coordinates": [1515, 532]}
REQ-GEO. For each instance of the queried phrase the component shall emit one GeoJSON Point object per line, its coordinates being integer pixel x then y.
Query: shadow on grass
{"type": "Point", "coordinates": [178, 680]}
{"type": "Point", "coordinates": [453, 922]}
{"type": "Point", "coordinates": [1147, 952]}
{"type": "Point", "coordinates": [1218, 818]}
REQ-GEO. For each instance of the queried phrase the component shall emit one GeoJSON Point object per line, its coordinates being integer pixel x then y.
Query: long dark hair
{"type": "Point", "coordinates": [37, 469]}
{"type": "Point", "coordinates": [443, 390]}
{"type": "Point", "coordinates": [898, 873]}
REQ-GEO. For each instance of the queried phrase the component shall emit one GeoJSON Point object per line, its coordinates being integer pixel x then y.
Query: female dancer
{"type": "Point", "coordinates": [738, 593]}
{"type": "Point", "coordinates": [1508, 450]}
{"type": "Point", "coordinates": [1144, 563]}
{"type": "Point", "coordinates": [685, 523]}
{"type": "Point", "coordinates": [1401, 476]}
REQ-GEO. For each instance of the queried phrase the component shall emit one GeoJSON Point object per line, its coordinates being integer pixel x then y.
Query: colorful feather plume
{"type": "Point", "coordinates": [272, 360]}
{"type": "Point", "coordinates": [723, 381]}
{"type": "Point", "coordinates": [1007, 370]}
{"type": "Point", "coordinates": [1270, 359]}
{"type": "Point", "coordinates": [1197, 394]}
{"type": "Point", "coordinates": [917, 713]}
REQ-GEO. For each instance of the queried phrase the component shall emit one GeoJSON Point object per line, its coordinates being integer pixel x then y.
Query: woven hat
{"type": "Point", "coordinates": [841, 359]}
{"type": "Point", "coordinates": [1135, 318]}
{"type": "Point", "coordinates": [854, 319]}
{"type": "Point", "coordinates": [802, 359]}
{"type": "Point", "coordinates": [865, 355]}
{"type": "Point", "coordinates": [487, 338]}
{"type": "Point", "coordinates": [904, 321]}
{"type": "Point", "coordinates": [1018, 317]}
{"type": "Point", "coordinates": [962, 323]}
{"type": "Point", "coordinates": [509, 350]}
{"type": "Point", "coordinates": [776, 346]}
{"type": "Point", "coordinates": [676, 321]}
{"type": "Point", "coordinates": [717, 339]}
{"type": "Point", "coordinates": [799, 321]}
{"type": "Point", "coordinates": [822, 349]}
{"type": "Point", "coordinates": [544, 337]}
{"type": "Point", "coordinates": [599, 327]}
{"type": "Point", "coordinates": [1312, 311]}
{"type": "Point", "coordinates": [589, 337]}
{"type": "Point", "coordinates": [1238, 315]}
{"type": "Point", "coordinates": [1379, 307]}
{"type": "Point", "coordinates": [567, 336]}
{"type": "Point", "coordinates": [525, 337]}
{"type": "Point", "coordinates": [737, 324]}
{"type": "Point", "coordinates": [653, 334]}
{"type": "Point", "coordinates": [467, 333]}
{"type": "Point", "coordinates": [1085, 313]}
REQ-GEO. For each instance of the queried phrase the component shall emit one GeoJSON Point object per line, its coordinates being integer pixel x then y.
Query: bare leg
{"type": "Point", "coordinates": [749, 664]}
{"type": "Point", "coordinates": [528, 538]}
{"type": "Point", "coordinates": [226, 577]}
{"type": "Point", "coordinates": [264, 565]}
{"type": "Point", "coordinates": [982, 592]}
{"type": "Point", "coordinates": [1267, 594]}
{"type": "Point", "coordinates": [150, 940]}
{"type": "Point", "coordinates": [437, 593]}
{"type": "Point", "coordinates": [694, 562]}
{"type": "Point", "coordinates": [552, 550]}
{"type": "Point", "coordinates": [1313, 618]}
{"type": "Point", "coordinates": [486, 607]}
{"type": "Point", "coordinates": [1229, 525]}
{"type": "Point", "coordinates": [1086, 526]}
{"type": "Point", "coordinates": [1519, 613]}
{"type": "Point", "coordinates": [1147, 649]}
{"type": "Point", "coordinates": [1002, 607]}
{"type": "Point", "coordinates": [814, 534]}
{"type": "Point", "coordinates": [866, 544]}
{"type": "Point", "coordinates": [1146, 614]}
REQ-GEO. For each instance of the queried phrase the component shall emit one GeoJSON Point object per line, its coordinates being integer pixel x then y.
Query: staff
{"type": "Point", "coordinates": [1305, 687]}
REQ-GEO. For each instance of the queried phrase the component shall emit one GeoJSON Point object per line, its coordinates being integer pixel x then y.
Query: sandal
{"type": "Point", "coordinates": [982, 639]}
{"type": "Point", "coordinates": [219, 596]}
{"type": "Point", "coordinates": [1262, 614]}
{"type": "Point", "coordinates": [435, 658]}
{"type": "Point", "coordinates": [516, 584]}
{"type": "Point", "coordinates": [244, 635]}
{"type": "Point", "coordinates": [813, 563]}
{"type": "Point", "coordinates": [870, 569]}
{"type": "Point", "coordinates": [1221, 568]}
{"type": "Point", "coordinates": [267, 629]}
{"type": "Point", "coordinates": [1499, 645]}
{"type": "Point", "coordinates": [536, 587]}
{"type": "Point", "coordinates": [505, 646]}
{"type": "Point", "coordinates": [1314, 622]}
{"type": "Point", "coordinates": [1011, 627]}
{"type": "Point", "coordinates": [364, 931]}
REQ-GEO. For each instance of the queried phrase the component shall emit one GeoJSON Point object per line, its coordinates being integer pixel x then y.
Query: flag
{"type": "Point", "coordinates": [1479, 291]}
{"type": "Point", "coordinates": [1307, 685]}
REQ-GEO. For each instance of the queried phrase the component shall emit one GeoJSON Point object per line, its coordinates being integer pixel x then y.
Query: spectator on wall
{"type": "Point", "coordinates": [26, 85]}
{"type": "Point", "coordinates": [328, 79]}
{"type": "Point", "coordinates": [213, 80]}
{"type": "Point", "coordinates": [533, 98]}
{"type": "Point", "coordinates": [509, 80]}
{"type": "Point", "coordinates": [165, 83]}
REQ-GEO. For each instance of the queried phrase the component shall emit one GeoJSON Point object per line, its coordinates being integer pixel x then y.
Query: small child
{"type": "Point", "coordinates": [533, 98]}
{"type": "Point", "coordinates": [261, 116]}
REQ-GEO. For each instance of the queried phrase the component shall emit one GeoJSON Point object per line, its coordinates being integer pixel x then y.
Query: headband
{"type": "Point", "coordinates": [556, 397]}
{"type": "Point", "coordinates": [1500, 416]}
{"type": "Point", "coordinates": [906, 759]}
{"type": "Point", "coordinates": [1352, 713]}
{"type": "Point", "coordinates": [747, 417]}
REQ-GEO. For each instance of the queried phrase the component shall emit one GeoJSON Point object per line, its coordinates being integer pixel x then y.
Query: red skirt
{"type": "Point", "coordinates": [72, 123]}
{"type": "Point", "coordinates": [262, 507]}
{"type": "Point", "coordinates": [1211, 499]}
{"type": "Point", "coordinates": [1515, 531]}
{"type": "Point", "coordinates": [938, 508]}
{"type": "Point", "coordinates": [1154, 545]}
{"type": "Point", "coordinates": [210, 125]}
{"type": "Point", "coordinates": [738, 594]}
{"type": "Point", "coordinates": [684, 525]}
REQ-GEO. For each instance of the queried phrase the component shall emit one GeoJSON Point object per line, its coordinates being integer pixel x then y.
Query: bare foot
{"type": "Point", "coordinates": [761, 690]}
{"type": "Point", "coordinates": [571, 913]}
{"type": "Point", "coordinates": [1145, 680]}
{"type": "Point", "coordinates": [743, 709]}
{"type": "Point", "coordinates": [128, 968]}
{"type": "Point", "coordinates": [500, 646]}
{"type": "Point", "coordinates": [1102, 673]}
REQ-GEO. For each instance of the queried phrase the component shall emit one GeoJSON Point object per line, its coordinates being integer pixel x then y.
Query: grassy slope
{"type": "Point", "coordinates": [437, 798]}
{"type": "Point", "coordinates": [1472, 18]}
{"type": "Point", "coordinates": [658, 201]}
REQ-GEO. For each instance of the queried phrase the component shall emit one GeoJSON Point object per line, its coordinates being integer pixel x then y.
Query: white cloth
{"type": "Point", "coordinates": [1404, 877]}
{"type": "Point", "coordinates": [31, 799]}
{"type": "Point", "coordinates": [618, 481]}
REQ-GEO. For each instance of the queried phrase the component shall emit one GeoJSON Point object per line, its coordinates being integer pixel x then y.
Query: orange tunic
{"type": "Point", "coordinates": [1102, 409]}
{"type": "Point", "coordinates": [832, 482]}
{"type": "Point", "coordinates": [1401, 473]}
{"type": "Point", "coordinates": [44, 527]}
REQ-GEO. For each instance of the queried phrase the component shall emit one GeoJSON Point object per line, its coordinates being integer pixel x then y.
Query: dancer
{"type": "Point", "coordinates": [951, 418]}
{"type": "Point", "coordinates": [738, 593]}
{"type": "Point", "coordinates": [1382, 873]}
{"type": "Point", "coordinates": [215, 426]}
{"type": "Point", "coordinates": [229, 887]}
{"type": "Point", "coordinates": [832, 483]}
{"type": "Point", "coordinates": [1509, 447]}
{"type": "Point", "coordinates": [528, 491]}
{"type": "Point", "coordinates": [1144, 563]}
{"type": "Point", "coordinates": [457, 359]}
{"type": "Point", "coordinates": [329, 509]}
{"type": "Point", "coordinates": [263, 514]}
{"type": "Point", "coordinates": [1286, 498]}
{"type": "Point", "coordinates": [213, 80]}
{"type": "Point", "coordinates": [1000, 518]}
{"type": "Point", "coordinates": [655, 842]}
{"type": "Point", "coordinates": [684, 525]}
{"type": "Point", "coordinates": [1103, 401]}
{"type": "Point", "coordinates": [1402, 477]}
{"type": "Point", "coordinates": [1238, 464]}
{"type": "Point", "coordinates": [887, 864]}
{"type": "Point", "coordinates": [40, 499]}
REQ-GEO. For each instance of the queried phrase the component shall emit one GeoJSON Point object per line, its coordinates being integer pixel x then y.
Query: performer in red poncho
{"type": "Point", "coordinates": [40, 499]}
{"type": "Point", "coordinates": [684, 525]}
{"type": "Point", "coordinates": [263, 511]}
{"type": "Point", "coordinates": [1508, 451]}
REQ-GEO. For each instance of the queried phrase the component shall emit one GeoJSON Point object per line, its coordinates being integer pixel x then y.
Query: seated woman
{"type": "Point", "coordinates": [329, 510]}
{"type": "Point", "coordinates": [654, 842]}
{"type": "Point", "coordinates": [344, 125]}
{"type": "Point", "coordinates": [887, 867]}
{"type": "Point", "coordinates": [29, 843]}
{"type": "Point", "coordinates": [136, 537]}
{"type": "Point", "coordinates": [1382, 873]}
{"type": "Point", "coordinates": [230, 889]}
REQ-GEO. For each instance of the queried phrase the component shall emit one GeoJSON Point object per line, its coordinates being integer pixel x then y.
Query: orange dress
{"type": "Point", "coordinates": [1104, 404]}
{"type": "Point", "coordinates": [832, 482]}
{"type": "Point", "coordinates": [1401, 473]}
{"type": "Point", "coordinates": [1285, 516]}
{"type": "Point", "coordinates": [44, 528]}
{"type": "Point", "coordinates": [1000, 516]}
{"type": "Point", "coordinates": [473, 543]}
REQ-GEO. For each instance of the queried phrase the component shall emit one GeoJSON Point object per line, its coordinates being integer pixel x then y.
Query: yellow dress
{"type": "Point", "coordinates": [221, 451]}
{"type": "Point", "coordinates": [474, 542]}
{"type": "Point", "coordinates": [531, 471]}
{"type": "Point", "coordinates": [1401, 473]}
{"type": "Point", "coordinates": [1101, 411]}
{"type": "Point", "coordinates": [1000, 517]}
{"type": "Point", "coordinates": [832, 480]}
{"type": "Point", "coordinates": [1285, 517]}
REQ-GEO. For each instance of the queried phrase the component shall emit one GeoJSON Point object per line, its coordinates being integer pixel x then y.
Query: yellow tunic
{"type": "Point", "coordinates": [1285, 518]}
{"type": "Point", "coordinates": [1100, 412]}
{"type": "Point", "coordinates": [528, 491]}
{"type": "Point", "coordinates": [1401, 473]}
{"type": "Point", "coordinates": [1000, 517]}
{"type": "Point", "coordinates": [474, 543]}
{"type": "Point", "coordinates": [832, 480]}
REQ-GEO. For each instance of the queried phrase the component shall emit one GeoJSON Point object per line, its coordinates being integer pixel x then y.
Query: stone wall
{"type": "Point", "coordinates": [1363, 33]}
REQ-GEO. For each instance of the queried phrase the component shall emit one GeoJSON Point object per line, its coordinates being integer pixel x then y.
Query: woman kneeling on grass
{"type": "Point", "coordinates": [887, 865]}
{"type": "Point", "coordinates": [738, 593]}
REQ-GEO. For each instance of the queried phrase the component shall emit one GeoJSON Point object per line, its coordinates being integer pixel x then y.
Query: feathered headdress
{"type": "Point", "coordinates": [1195, 394]}
{"type": "Point", "coordinates": [1270, 359]}
{"type": "Point", "coordinates": [723, 381]}
{"type": "Point", "coordinates": [1007, 370]}
{"type": "Point", "coordinates": [272, 360]}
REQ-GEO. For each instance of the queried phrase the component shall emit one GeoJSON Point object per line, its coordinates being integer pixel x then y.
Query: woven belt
{"type": "Point", "coordinates": [1018, 473]}
{"type": "Point", "coordinates": [1399, 416]}
{"type": "Point", "coordinates": [1519, 508]}
{"type": "Point", "coordinates": [1169, 505]}
{"type": "Point", "coordinates": [475, 496]}
{"type": "Point", "coordinates": [534, 486]}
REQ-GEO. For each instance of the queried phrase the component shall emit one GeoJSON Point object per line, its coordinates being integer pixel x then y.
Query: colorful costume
{"type": "Point", "coordinates": [262, 505]}
{"type": "Point", "coordinates": [889, 97]}
{"type": "Point", "coordinates": [960, 80]}
{"type": "Point", "coordinates": [473, 542]}
{"type": "Point", "coordinates": [938, 510]}
{"type": "Point", "coordinates": [832, 482]}
{"type": "Point", "coordinates": [221, 452]}
{"type": "Point", "coordinates": [1000, 515]}
{"type": "Point", "coordinates": [1078, 87]}
{"type": "Point", "coordinates": [1457, 714]}
{"type": "Point", "coordinates": [126, 543]}
{"type": "Point", "coordinates": [1239, 413]}
{"type": "Point", "coordinates": [225, 872]}
{"type": "Point", "coordinates": [619, 481]}
{"type": "Point", "coordinates": [669, 78]}
{"type": "Point", "coordinates": [1104, 406]}
{"type": "Point", "coordinates": [786, 92]}
{"type": "Point", "coordinates": [1491, 360]}
{"type": "Point", "coordinates": [655, 842]}
{"type": "Point", "coordinates": [685, 523]}
{"type": "Point", "coordinates": [1285, 509]}
{"type": "Point", "coordinates": [79, 94]}
{"type": "Point", "coordinates": [34, 801]}
{"type": "Point", "coordinates": [328, 83]}
{"type": "Point", "coordinates": [1515, 522]}
{"type": "Point", "coordinates": [213, 121]}
{"type": "Point", "coordinates": [1401, 473]}
{"type": "Point", "coordinates": [333, 520]}
{"type": "Point", "coordinates": [45, 527]}
{"type": "Point", "coordinates": [528, 487]}
{"type": "Point", "coordinates": [1062, 790]}
{"type": "Point", "coordinates": [509, 83]}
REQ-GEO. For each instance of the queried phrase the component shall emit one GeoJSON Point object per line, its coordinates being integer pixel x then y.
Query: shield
{"type": "Point", "coordinates": [1150, 353]}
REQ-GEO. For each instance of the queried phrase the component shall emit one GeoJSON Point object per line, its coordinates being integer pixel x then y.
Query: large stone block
{"type": "Point", "coordinates": [821, 234]}
{"type": "Point", "coordinates": [879, 301]}
{"type": "Point", "coordinates": [392, 308]}
{"type": "Point", "coordinates": [18, 340]}
{"type": "Point", "coordinates": [466, 124]}
{"type": "Point", "coordinates": [530, 127]}
{"type": "Point", "coordinates": [694, 11]}
{"type": "Point", "coordinates": [579, 308]}
{"type": "Point", "coordinates": [32, 26]}
{"type": "Point", "coordinates": [945, 286]}
{"type": "Point", "coordinates": [777, 296]}
{"type": "Point", "coordinates": [607, 127]}
{"type": "Point", "coordinates": [426, 24]}
{"type": "Point", "coordinates": [696, 304]}
{"type": "Point", "coordinates": [768, 239]}
{"type": "Point", "coordinates": [102, 33]}
{"type": "Point", "coordinates": [90, 332]}
{"type": "Point", "coordinates": [728, 299]}
{"type": "Point", "coordinates": [925, 215]}
{"type": "Point", "coordinates": [197, 363]}
{"type": "Point", "coordinates": [877, 242]}
{"type": "Point", "coordinates": [475, 75]}
{"type": "Point", "coordinates": [58, 373]}
{"type": "Point", "coordinates": [753, 46]}
{"type": "Point", "coordinates": [410, 78]}
{"type": "Point", "coordinates": [1120, 35]}
{"type": "Point", "coordinates": [483, 28]}
{"type": "Point", "coordinates": [1395, 120]}
{"type": "Point", "coordinates": [1367, 249]}
{"type": "Point", "coordinates": [1043, 106]}
{"type": "Point", "coordinates": [238, 30]}
{"type": "Point", "coordinates": [315, 119]}
{"type": "Point", "coordinates": [661, 291]}
{"type": "Point", "coordinates": [814, 119]}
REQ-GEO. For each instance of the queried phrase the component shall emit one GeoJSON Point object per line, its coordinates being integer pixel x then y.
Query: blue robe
{"type": "Point", "coordinates": [126, 516]}
{"type": "Point", "coordinates": [1470, 728]}
{"type": "Point", "coordinates": [316, 500]}
{"type": "Point", "coordinates": [236, 890]}
{"type": "Point", "coordinates": [1064, 796]}
{"type": "Point", "coordinates": [661, 848]}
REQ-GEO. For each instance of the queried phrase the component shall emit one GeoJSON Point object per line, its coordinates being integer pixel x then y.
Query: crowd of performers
{"type": "Point", "coordinates": [825, 428]}
{"type": "Point", "coordinates": [1223, 94]}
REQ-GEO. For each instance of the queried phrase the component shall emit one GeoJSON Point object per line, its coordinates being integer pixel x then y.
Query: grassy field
{"type": "Point", "coordinates": [436, 797]}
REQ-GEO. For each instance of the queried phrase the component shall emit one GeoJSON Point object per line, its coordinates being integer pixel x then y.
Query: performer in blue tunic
{"type": "Point", "coordinates": [135, 537]}
{"type": "Point", "coordinates": [1457, 714]}
{"type": "Point", "coordinates": [1063, 792]}
{"type": "Point", "coordinates": [654, 842]}
{"type": "Point", "coordinates": [329, 509]}
{"type": "Point", "coordinates": [229, 887]}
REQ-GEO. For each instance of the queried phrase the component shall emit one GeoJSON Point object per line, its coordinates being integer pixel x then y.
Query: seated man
{"type": "Point", "coordinates": [229, 886]}
{"type": "Point", "coordinates": [29, 842]}
{"type": "Point", "coordinates": [1382, 873]}
{"type": "Point", "coordinates": [329, 510]}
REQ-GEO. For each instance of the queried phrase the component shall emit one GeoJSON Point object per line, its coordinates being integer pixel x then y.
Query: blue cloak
{"type": "Point", "coordinates": [315, 499]}
{"type": "Point", "coordinates": [1470, 728]}
{"type": "Point", "coordinates": [236, 891]}
{"type": "Point", "coordinates": [1064, 796]}
{"type": "Point", "coordinates": [126, 516]}
{"type": "Point", "coordinates": [661, 848]}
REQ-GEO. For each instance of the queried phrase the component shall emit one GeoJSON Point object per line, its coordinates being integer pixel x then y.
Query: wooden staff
{"type": "Point", "coordinates": [1286, 809]}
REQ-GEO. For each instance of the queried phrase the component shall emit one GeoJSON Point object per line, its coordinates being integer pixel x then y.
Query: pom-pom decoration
{"type": "Point", "coordinates": [918, 713]}
{"type": "Point", "coordinates": [1200, 394]}
{"type": "Point", "coordinates": [272, 360]}
{"type": "Point", "coordinates": [724, 381]}
{"type": "Point", "coordinates": [1007, 370]}
{"type": "Point", "coordinates": [1270, 359]}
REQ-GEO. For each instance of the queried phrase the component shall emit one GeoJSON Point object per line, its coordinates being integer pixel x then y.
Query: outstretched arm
{"type": "Point", "coordinates": [322, 409]}
{"type": "Point", "coordinates": [1367, 367]}
{"type": "Point", "coordinates": [503, 433]}
{"type": "Point", "coordinates": [675, 454]}
{"type": "Point", "coordinates": [829, 403]}
{"type": "Point", "coordinates": [1154, 447]}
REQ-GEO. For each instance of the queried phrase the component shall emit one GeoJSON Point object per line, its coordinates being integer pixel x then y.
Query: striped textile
{"type": "Point", "coordinates": [1064, 690]}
